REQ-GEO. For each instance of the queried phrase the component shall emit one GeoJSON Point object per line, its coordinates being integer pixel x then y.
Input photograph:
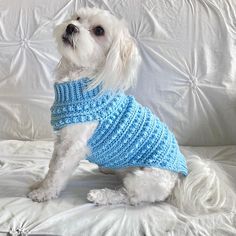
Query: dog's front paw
{"type": "Point", "coordinates": [41, 195]}
{"type": "Point", "coordinates": [98, 196]}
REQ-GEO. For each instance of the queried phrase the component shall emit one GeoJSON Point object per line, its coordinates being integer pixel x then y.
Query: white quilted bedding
{"type": "Point", "coordinates": [22, 163]}
{"type": "Point", "coordinates": [188, 74]}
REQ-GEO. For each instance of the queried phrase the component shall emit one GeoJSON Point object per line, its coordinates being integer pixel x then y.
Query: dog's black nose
{"type": "Point", "coordinates": [70, 29]}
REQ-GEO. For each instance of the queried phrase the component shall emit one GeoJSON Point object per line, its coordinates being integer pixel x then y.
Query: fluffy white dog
{"type": "Point", "coordinates": [95, 44]}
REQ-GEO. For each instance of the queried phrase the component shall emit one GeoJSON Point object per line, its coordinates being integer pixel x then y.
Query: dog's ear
{"type": "Point", "coordinates": [129, 59]}
{"type": "Point", "coordinates": [122, 60]}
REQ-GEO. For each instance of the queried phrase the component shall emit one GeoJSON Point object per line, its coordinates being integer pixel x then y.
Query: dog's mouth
{"type": "Point", "coordinates": [67, 40]}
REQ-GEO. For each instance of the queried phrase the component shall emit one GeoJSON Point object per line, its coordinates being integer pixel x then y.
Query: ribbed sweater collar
{"type": "Point", "coordinates": [75, 91]}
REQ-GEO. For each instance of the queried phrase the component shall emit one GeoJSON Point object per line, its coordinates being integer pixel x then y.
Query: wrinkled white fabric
{"type": "Point", "coordinates": [188, 74]}
{"type": "Point", "coordinates": [23, 163]}
{"type": "Point", "coordinates": [188, 78]}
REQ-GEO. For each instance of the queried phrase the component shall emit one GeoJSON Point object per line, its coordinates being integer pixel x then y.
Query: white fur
{"type": "Point", "coordinates": [206, 189]}
{"type": "Point", "coordinates": [113, 59]}
{"type": "Point", "coordinates": [69, 149]}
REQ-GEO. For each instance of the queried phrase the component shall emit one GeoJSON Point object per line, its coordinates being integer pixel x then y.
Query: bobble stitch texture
{"type": "Point", "coordinates": [127, 134]}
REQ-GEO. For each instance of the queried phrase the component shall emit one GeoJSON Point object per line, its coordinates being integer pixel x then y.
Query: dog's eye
{"type": "Point", "coordinates": [98, 31]}
{"type": "Point", "coordinates": [78, 18]}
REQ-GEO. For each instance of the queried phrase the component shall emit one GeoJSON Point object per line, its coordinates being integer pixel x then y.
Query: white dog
{"type": "Point", "coordinates": [95, 44]}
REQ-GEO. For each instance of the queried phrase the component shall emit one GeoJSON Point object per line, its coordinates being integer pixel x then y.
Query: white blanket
{"type": "Point", "coordinates": [187, 77]}
{"type": "Point", "coordinates": [23, 163]}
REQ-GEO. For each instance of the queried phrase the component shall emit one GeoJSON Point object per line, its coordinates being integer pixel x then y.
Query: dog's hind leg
{"type": "Point", "coordinates": [149, 185]}
{"type": "Point", "coordinates": [108, 196]}
{"type": "Point", "coordinates": [140, 185]}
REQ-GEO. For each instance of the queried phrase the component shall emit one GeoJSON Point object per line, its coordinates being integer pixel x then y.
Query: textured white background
{"type": "Point", "coordinates": [188, 78]}
{"type": "Point", "coordinates": [188, 74]}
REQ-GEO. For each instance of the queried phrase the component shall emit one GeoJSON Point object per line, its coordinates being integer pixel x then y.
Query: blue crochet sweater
{"type": "Point", "coordinates": [127, 135]}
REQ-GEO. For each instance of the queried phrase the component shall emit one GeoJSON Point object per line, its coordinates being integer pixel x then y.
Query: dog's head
{"type": "Point", "coordinates": [96, 41]}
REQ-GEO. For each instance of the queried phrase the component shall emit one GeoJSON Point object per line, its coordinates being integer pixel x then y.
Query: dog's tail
{"type": "Point", "coordinates": [206, 189]}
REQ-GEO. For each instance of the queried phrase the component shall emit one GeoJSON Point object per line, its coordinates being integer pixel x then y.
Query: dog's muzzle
{"type": "Point", "coordinates": [67, 37]}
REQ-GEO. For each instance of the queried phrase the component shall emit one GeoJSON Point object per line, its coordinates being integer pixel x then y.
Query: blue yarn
{"type": "Point", "coordinates": [128, 134]}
